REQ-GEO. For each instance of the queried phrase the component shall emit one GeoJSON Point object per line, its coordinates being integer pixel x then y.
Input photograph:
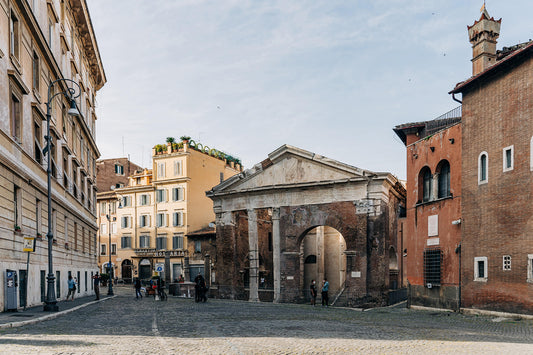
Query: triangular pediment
{"type": "Point", "coordinates": [290, 166]}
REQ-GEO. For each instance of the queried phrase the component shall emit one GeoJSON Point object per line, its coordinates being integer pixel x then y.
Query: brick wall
{"type": "Point", "coordinates": [497, 215]}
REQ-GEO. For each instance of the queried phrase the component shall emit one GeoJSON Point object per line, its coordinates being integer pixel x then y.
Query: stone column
{"type": "Point", "coordinates": [207, 269]}
{"type": "Point", "coordinates": [253, 256]}
{"type": "Point", "coordinates": [186, 270]}
{"type": "Point", "coordinates": [276, 249]}
{"type": "Point", "coordinates": [435, 187]}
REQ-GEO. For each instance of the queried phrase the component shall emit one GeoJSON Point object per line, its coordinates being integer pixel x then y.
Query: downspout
{"type": "Point", "coordinates": [454, 99]}
{"type": "Point", "coordinates": [458, 251]}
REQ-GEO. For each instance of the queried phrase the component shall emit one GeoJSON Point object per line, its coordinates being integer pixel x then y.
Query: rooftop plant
{"type": "Point", "coordinates": [170, 140]}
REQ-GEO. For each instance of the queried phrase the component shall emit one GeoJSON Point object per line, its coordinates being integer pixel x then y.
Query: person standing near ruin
{"type": "Point", "coordinates": [325, 289]}
{"type": "Point", "coordinates": [313, 290]}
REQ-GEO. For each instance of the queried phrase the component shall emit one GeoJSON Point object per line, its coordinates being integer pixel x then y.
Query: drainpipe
{"type": "Point", "coordinates": [458, 251]}
{"type": "Point", "coordinates": [454, 99]}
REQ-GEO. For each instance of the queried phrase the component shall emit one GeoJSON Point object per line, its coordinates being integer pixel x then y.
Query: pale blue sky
{"type": "Point", "coordinates": [245, 77]}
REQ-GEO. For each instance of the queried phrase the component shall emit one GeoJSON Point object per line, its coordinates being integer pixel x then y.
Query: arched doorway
{"type": "Point", "coordinates": [126, 271]}
{"type": "Point", "coordinates": [322, 256]}
{"type": "Point", "coordinates": [145, 269]}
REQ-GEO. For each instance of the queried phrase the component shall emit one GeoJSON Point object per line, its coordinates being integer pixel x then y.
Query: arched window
{"type": "Point", "coordinates": [444, 179]}
{"type": "Point", "coordinates": [483, 164]}
{"type": "Point", "coordinates": [427, 183]}
{"type": "Point", "coordinates": [311, 259]}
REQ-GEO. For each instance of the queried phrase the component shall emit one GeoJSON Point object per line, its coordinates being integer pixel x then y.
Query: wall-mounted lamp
{"type": "Point", "coordinates": [456, 222]}
{"type": "Point", "coordinates": [452, 140]}
{"type": "Point", "coordinates": [432, 149]}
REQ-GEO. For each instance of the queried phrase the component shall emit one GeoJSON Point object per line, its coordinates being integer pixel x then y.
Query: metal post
{"type": "Point", "coordinates": [50, 302]}
{"type": "Point", "coordinates": [109, 267]}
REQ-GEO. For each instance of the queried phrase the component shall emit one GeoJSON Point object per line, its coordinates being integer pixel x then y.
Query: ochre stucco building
{"type": "Point", "coordinates": [152, 215]}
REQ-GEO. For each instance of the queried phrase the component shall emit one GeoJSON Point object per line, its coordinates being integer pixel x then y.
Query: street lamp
{"type": "Point", "coordinates": [109, 267]}
{"type": "Point", "coordinates": [51, 301]}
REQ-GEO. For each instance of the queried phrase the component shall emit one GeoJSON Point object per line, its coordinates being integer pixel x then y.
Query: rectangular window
{"type": "Point", "coordinates": [17, 206]}
{"type": "Point", "coordinates": [508, 159]}
{"type": "Point", "coordinates": [35, 72]}
{"type": "Point", "coordinates": [507, 262]}
{"type": "Point", "coordinates": [126, 201]}
{"type": "Point", "coordinates": [103, 249]}
{"type": "Point", "coordinates": [432, 267]}
{"type": "Point", "coordinates": [160, 195]}
{"type": "Point", "coordinates": [177, 168]}
{"type": "Point", "coordinates": [114, 228]}
{"type": "Point", "coordinates": [16, 118]}
{"type": "Point", "coordinates": [58, 284]}
{"type": "Point", "coordinates": [177, 242]}
{"type": "Point", "coordinates": [161, 220]}
{"type": "Point", "coordinates": [125, 222]}
{"type": "Point", "coordinates": [125, 242]}
{"type": "Point", "coordinates": [103, 229]}
{"type": "Point", "coordinates": [50, 32]}
{"type": "Point", "coordinates": [161, 242]}
{"type": "Point", "coordinates": [113, 249]}
{"type": "Point", "coordinates": [14, 36]}
{"type": "Point", "coordinates": [161, 170]}
{"type": "Point", "coordinates": [145, 200]}
{"type": "Point", "coordinates": [43, 285]}
{"type": "Point", "coordinates": [197, 246]}
{"type": "Point", "coordinates": [177, 219]}
{"type": "Point", "coordinates": [119, 169]}
{"type": "Point", "coordinates": [37, 148]}
{"type": "Point", "coordinates": [530, 268]}
{"type": "Point", "coordinates": [480, 268]}
{"type": "Point", "coordinates": [144, 241]}
{"type": "Point", "coordinates": [144, 221]}
{"type": "Point", "coordinates": [177, 194]}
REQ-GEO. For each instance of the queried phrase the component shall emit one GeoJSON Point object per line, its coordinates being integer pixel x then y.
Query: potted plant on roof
{"type": "Point", "coordinates": [185, 139]}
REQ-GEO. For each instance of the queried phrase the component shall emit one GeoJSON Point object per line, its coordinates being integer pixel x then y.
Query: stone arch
{"type": "Point", "coordinates": [322, 255]}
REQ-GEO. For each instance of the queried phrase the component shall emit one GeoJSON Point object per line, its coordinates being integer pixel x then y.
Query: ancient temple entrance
{"type": "Point", "coordinates": [322, 256]}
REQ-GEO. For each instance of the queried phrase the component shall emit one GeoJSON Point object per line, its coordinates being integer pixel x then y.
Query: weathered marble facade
{"type": "Point", "coordinates": [265, 216]}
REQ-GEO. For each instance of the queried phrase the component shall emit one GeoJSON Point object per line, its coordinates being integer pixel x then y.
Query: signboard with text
{"type": "Point", "coordinates": [29, 244]}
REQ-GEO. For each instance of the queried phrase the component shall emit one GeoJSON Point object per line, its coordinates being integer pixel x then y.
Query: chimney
{"type": "Point", "coordinates": [483, 35]}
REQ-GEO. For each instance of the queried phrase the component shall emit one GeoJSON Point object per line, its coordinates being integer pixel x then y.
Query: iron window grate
{"type": "Point", "coordinates": [432, 267]}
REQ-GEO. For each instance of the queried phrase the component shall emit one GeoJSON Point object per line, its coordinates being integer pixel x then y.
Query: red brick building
{"type": "Point", "coordinates": [432, 233]}
{"type": "Point", "coordinates": [497, 168]}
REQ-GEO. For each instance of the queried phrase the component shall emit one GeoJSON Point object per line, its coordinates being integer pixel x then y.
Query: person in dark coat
{"type": "Point", "coordinates": [138, 288]}
{"type": "Point", "coordinates": [312, 288]}
{"type": "Point", "coordinates": [199, 288]}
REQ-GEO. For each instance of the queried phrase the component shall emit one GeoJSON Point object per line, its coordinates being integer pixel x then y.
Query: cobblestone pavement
{"type": "Point", "coordinates": [124, 325]}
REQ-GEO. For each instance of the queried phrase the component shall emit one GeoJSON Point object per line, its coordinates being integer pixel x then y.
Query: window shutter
{"type": "Point", "coordinates": [175, 215]}
{"type": "Point", "coordinates": [180, 194]}
{"type": "Point", "coordinates": [180, 218]}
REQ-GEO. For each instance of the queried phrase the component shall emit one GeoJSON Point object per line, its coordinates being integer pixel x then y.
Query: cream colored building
{"type": "Point", "coordinates": [158, 208]}
{"type": "Point", "coordinates": [42, 41]}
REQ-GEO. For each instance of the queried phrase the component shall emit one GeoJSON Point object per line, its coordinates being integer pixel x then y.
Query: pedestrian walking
{"type": "Point", "coordinates": [161, 290]}
{"type": "Point", "coordinates": [71, 287]}
{"type": "Point", "coordinates": [312, 288]}
{"type": "Point", "coordinates": [138, 288]}
{"type": "Point", "coordinates": [325, 289]}
{"type": "Point", "coordinates": [96, 282]}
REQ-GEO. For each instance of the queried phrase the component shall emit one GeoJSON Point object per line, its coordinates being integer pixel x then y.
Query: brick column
{"type": "Point", "coordinates": [276, 254]}
{"type": "Point", "coordinates": [253, 256]}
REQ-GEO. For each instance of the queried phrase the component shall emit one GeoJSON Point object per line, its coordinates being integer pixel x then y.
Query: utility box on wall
{"type": "Point", "coordinates": [10, 286]}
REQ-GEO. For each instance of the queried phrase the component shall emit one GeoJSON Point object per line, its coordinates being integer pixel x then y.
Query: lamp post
{"type": "Point", "coordinates": [51, 301]}
{"type": "Point", "coordinates": [109, 267]}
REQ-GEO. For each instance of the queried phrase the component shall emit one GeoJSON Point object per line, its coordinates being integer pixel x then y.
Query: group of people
{"type": "Point", "coordinates": [157, 285]}
{"type": "Point", "coordinates": [325, 290]}
{"type": "Point", "coordinates": [72, 286]}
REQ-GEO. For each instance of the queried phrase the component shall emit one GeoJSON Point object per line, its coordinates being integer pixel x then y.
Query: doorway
{"type": "Point", "coordinates": [126, 271]}
{"type": "Point", "coordinates": [322, 255]}
{"type": "Point", "coordinates": [145, 269]}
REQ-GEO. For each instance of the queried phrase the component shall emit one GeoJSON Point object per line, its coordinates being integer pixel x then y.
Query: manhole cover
{"type": "Point", "coordinates": [22, 315]}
